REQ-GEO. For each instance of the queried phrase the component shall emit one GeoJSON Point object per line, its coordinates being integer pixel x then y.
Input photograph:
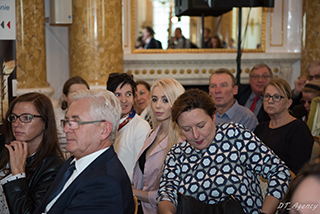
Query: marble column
{"type": "Point", "coordinates": [30, 45]}
{"type": "Point", "coordinates": [95, 40]}
{"type": "Point", "coordinates": [310, 50]}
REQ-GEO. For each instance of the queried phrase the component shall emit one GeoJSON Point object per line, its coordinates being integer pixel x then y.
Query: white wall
{"type": "Point", "coordinates": [57, 54]}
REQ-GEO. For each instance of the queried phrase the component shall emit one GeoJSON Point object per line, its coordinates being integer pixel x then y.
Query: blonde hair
{"type": "Point", "coordinates": [172, 89]}
{"type": "Point", "coordinates": [282, 86]}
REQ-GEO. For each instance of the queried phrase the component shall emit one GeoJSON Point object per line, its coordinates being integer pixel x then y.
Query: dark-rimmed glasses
{"type": "Point", "coordinates": [276, 98]}
{"type": "Point", "coordinates": [316, 77]}
{"type": "Point", "coordinates": [257, 77]}
{"type": "Point", "coordinates": [306, 101]}
{"type": "Point", "coordinates": [24, 118]}
{"type": "Point", "coordinates": [73, 124]}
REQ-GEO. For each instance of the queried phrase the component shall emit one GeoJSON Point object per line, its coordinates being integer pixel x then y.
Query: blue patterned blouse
{"type": "Point", "coordinates": [231, 165]}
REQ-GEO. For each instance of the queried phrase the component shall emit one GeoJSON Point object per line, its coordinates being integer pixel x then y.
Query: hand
{"type": "Point", "coordinates": [299, 84]}
{"type": "Point", "coordinates": [18, 152]}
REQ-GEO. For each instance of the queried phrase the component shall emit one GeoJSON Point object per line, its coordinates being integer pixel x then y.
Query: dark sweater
{"type": "Point", "coordinates": [292, 142]}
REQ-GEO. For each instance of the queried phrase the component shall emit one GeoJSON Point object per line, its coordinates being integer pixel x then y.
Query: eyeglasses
{"type": "Point", "coordinates": [257, 77]}
{"type": "Point", "coordinates": [72, 124]}
{"type": "Point", "coordinates": [275, 98]}
{"type": "Point", "coordinates": [306, 101]}
{"type": "Point", "coordinates": [24, 118]}
{"type": "Point", "coordinates": [316, 77]}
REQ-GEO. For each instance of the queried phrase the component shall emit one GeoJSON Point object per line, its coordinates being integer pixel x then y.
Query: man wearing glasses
{"type": "Point", "coordinates": [250, 95]}
{"type": "Point", "coordinates": [313, 74]}
{"type": "Point", "coordinates": [93, 180]}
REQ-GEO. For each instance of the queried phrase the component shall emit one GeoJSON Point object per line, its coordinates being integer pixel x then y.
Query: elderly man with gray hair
{"type": "Point", "coordinates": [250, 95]}
{"type": "Point", "coordinates": [93, 180]}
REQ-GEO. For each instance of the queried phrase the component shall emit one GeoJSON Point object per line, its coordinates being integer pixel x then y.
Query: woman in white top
{"type": "Point", "coordinates": [132, 128]}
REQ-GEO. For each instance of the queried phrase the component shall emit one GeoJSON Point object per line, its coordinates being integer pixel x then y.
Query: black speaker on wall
{"type": "Point", "coordinates": [215, 7]}
{"type": "Point", "coordinates": [240, 3]}
{"type": "Point", "coordinates": [197, 8]}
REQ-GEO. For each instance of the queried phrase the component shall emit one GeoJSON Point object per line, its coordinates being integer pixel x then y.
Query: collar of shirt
{"type": "Point", "coordinates": [80, 165]}
{"type": "Point", "coordinates": [85, 161]}
{"type": "Point", "coordinates": [148, 40]}
{"type": "Point", "coordinates": [231, 111]}
{"type": "Point", "coordinates": [250, 100]}
{"type": "Point", "coordinates": [252, 96]}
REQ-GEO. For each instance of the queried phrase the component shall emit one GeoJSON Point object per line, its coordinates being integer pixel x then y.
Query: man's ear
{"type": "Point", "coordinates": [107, 129]}
{"type": "Point", "coordinates": [235, 90]}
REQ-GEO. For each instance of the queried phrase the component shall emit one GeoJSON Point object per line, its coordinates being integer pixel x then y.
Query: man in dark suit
{"type": "Point", "coordinates": [250, 95]}
{"type": "Point", "coordinates": [99, 182]}
{"type": "Point", "coordinates": [150, 42]}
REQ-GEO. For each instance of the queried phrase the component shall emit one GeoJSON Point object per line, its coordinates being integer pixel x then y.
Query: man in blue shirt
{"type": "Point", "coordinates": [222, 88]}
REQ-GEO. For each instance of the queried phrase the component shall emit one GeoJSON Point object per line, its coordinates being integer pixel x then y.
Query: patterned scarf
{"type": "Point", "coordinates": [129, 116]}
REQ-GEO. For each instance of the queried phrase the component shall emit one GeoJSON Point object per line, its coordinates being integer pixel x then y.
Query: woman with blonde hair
{"type": "Point", "coordinates": [148, 168]}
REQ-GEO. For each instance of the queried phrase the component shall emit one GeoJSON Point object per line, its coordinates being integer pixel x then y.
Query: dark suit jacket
{"type": "Point", "coordinates": [243, 95]}
{"type": "Point", "coordinates": [154, 44]}
{"type": "Point", "coordinates": [103, 187]}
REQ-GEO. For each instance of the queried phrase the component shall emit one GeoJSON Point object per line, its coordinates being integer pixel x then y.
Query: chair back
{"type": "Point", "coordinates": [136, 204]}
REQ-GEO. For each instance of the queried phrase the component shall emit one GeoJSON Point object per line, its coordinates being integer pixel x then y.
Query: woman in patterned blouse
{"type": "Point", "coordinates": [218, 160]}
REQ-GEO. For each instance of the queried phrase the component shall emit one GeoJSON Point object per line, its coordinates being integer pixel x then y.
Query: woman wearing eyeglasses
{"type": "Point", "coordinates": [288, 137]}
{"type": "Point", "coordinates": [32, 156]}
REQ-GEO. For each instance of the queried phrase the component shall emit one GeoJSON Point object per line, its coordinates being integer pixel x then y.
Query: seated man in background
{"type": "Point", "coordinates": [93, 180]}
{"type": "Point", "coordinates": [313, 74]}
{"type": "Point", "coordinates": [250, 95]}
{"type": "Point", "coordinates": [149, 41]}
{"type": "Point", "coordinates": [222, 88]}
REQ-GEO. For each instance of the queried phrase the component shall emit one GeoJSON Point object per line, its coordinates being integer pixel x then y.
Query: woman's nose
{"type": "Point", "coordinates": [16, 123]}
{"type": "Point", "coordinates": [196, 133]}
{"type": "Point", "coordinates": [158, 105]}
{"type": "Point", "coordinates": [123, 99]}
{"type": "Point", "coordinates": [138, 97]}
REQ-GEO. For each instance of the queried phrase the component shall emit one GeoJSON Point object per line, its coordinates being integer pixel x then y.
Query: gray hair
{"type": "Point", "coordinates": [313, 64]}
{"type": "Point", "coordinates": [104, 106]}
{"type": "Point", "coordinates": [261, 65]}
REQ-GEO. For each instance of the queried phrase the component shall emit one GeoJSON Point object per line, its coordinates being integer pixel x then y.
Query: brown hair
{"type": "Point", "coordinates": [49, 143]}
{"type": "Point", "coordinates": [66, 87]}
{"type": "Point", "coordinates": [225, 71]}
{"type": "Point", "coordinates": [309, 170]}
{"type": "Point", "coordinates": [281, 85]}
{"type": "Point", "coordinates": [192, 99]}
{"type": "Point", "coordinates": [141, 82]}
